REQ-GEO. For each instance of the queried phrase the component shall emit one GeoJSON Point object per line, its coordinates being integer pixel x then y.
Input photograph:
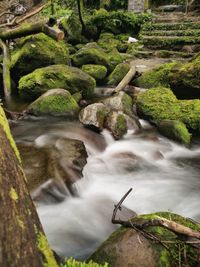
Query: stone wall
{"type": "Point", "coordinates": [136, 5]}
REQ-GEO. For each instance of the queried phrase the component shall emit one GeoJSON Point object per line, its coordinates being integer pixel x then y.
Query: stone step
{"type": "Point", "coordinates": [171, 26]}
{"type": "Point", "coordinates": [172, 33]}
{"type": "Point", "coordinates": [168, 42]}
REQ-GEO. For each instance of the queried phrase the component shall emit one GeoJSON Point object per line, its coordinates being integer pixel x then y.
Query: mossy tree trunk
{"type": "Point", "coordinates": [22, 240]}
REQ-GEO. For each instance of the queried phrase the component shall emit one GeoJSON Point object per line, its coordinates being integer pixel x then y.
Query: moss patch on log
{"type": "Point", "coordinates": [4, 124]}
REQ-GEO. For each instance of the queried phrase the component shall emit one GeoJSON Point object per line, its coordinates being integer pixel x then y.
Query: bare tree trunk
{"type": "Point", "coordinates": [22, 240]}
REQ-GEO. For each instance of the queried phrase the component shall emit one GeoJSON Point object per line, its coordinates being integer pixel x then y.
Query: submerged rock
{"type": "Point", "coordinates": [93, 116]}
{"type": "Point", "coordinates": [118, 74]}
{"type": "Point", "coordinates": [41, 80]}
{"type": "Point", "coordinates": [37, 51]}
{"type": "Point", "coordinates": [116, 123]}
{"type": "Point", "coordinates": [160, 103]}
{"type": "Point", "coordinates": [128, 247]}
{"type": "Point", "coordinates": [52, 169]}
{"type": "Point", "coordinates": [54, 102]}
{"type": "Point", "coordinates": [175, 130]}
{"type": "Point", "coordinates": [98, 72]}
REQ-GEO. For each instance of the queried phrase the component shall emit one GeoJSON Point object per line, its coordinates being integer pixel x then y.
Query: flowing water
{"type": "Point", "coordinates": [164, 177]}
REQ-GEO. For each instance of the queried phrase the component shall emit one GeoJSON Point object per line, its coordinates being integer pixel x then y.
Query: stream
{"type": "Point", "coordinates": [164, 177]}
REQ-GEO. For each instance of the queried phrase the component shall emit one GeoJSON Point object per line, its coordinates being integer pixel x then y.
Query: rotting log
{"type": "Point", "coordinates": [22, 240]}
{"type": "Point", "coordinates": [6, 70]}
{"type": "Point", "coordinates": [28, 29]}
{"type": "Point", "coordinates": [125, 81]}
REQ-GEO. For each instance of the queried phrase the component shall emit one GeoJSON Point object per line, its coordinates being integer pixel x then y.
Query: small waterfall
{"type": "Point", "coordinates": [162, 174]}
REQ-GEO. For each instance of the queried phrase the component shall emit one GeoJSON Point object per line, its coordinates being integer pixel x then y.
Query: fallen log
{"type": "Point", "coordinates": [28, 29]}
{"type": "Point", "coordinates": [125, 81]}
{"type": "Point", "coordinates": [6, 70]}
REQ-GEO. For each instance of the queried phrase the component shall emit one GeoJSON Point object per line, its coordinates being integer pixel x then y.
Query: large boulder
{"type": "Point", "coordinates": [54, 102]}
{"type": "Point", "coordinates": [116, 123]}
{"type": "Point", "coordinates": [128, 247]}
{"type": "Point", "coordinates": [60, 163]}
{"type": "Point", "coordinates": [90, 54]}
{"type": "Point", "coordinates": [98, 72]}
{"type": "Point", "coordinates": [93, 116]}
{"type": "Point", "coordinates": [118, 74]}
{"type": "Point", "coordinates": [160, 103]}
{"type": "Point", "coordinates": [37, 51]}
{"type": "Point", "coordinates": [41, 80]}
{"type": "Point", "coordinates": [182, 78]}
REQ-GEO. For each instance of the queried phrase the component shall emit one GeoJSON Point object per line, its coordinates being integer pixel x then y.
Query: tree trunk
{"type": "Point", "coordinates": [22, 240]}
{"type": "Point", "coordinates": [126, 80]}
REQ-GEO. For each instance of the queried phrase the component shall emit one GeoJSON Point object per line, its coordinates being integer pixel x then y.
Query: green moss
{"type": "Point", "coordinates": [41, 80]}
{"type": "Point", "coordinates": [118, 73]}
{"type": "Point", "coordinates": [98, 72]}
{"type": "Point", "coordinates": [160, 103]}
{"type": "Point", "coordinates": [13, 194]}
{"type": "Point", "coordinates": [167, 258]}
{"type": "Point", "coordinates": [73, 263]}
{"type": "Point", "coordinates": [156, 77]}
{"type": "Point", "coordinates": [40, 50]}
{"type": "Point", "coordinates": [171, 26]}
{"type": "Point", "coordinates": [20, 222]}
{"type": "Point", "coordinates": [90, 54]}
{"type": "Point", "coordinates": [175, 130]}
{"type": "Point", "coordinates": [4, 124]}
{"type": "Point", "coordinates": [108, 42]}
{"type": "Point", "coordinates": [54, 102]}
{"type": "Point", "coordinates": [120, 126]}
{"type": "Point", "coordinates": [43, 246]}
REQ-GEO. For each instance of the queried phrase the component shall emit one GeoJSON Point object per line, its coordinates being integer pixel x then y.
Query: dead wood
{"type": "Point", "coordinates": [125, 81]}
{"type": "Point", "coordinates": [6, 70]}
{"type": "Point", "coordinates": [28, 29]}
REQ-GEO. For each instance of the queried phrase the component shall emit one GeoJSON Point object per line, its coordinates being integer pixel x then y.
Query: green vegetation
{"type": "Point", "coordinates": [74, 263]}
{"type": "Point", "coordinates": [160, 103]}
{"type": "Point", "coordinates": [41, 80]}
{"type": "Point", "coordinates": [118, 22]}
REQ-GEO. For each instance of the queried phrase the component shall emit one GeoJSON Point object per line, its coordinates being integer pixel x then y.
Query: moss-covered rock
{"type": "Point", "coordinates": [118, 73]}
{"type": "Point", "coordinates": [120, 102]}
{"type": "Point", "coordinates": [185, 80]}
{"type": "Point", "coordinates": [156, 77]}
{"type": "Point", "coordinates": [37, 51]}
{"type": "Point", "coordinates": [90, 54]}
{"type": "Point", "coordinates": [98, 72]}
{"type": "Point", "coordinates": [41, 80]}
{"type": "Point", "coordinates": [93, 116]}
{"type": "Point", "coordinates": [54, 102]}
{"type": "Point", "coordinates": [175, 130]}
{"type": "Point", "coordinates": [127, 247]}
{"type": "Point", "coordinates": [160, 103]}
{"type": "Point", "coordinates": [116, 123]}
{"type": "Point", "coordinates": [108, 42]}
